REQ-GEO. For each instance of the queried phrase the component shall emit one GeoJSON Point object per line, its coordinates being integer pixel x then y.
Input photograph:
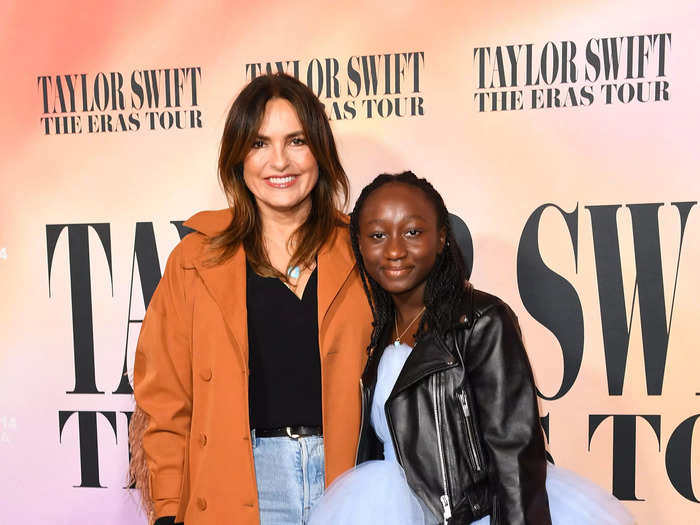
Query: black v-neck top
{"type": "Point", "coordinates": [284, 387]}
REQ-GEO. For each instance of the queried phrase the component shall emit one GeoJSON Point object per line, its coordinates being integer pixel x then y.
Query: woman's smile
{"type": "Point", "coordinates": [396, 272]}
{"type": "Point", "coordinates": [281, 182]}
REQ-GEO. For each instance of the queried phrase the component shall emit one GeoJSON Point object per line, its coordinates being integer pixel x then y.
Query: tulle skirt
{"type": "Point", "coordinates": [376, 492]}
{"type": "Point", "coordinates": [373, 492]}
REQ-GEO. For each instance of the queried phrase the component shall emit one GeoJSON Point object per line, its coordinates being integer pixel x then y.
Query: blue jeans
{"type": "Point", "coordinates": [290, 477]}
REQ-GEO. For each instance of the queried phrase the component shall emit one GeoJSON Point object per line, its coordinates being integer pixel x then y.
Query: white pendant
{"type": "Point", "coordinates": [397, 343]}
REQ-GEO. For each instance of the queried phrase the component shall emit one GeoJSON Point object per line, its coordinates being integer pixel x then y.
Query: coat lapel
{"type": "Point", "coordinates": [430, 355]}
{"type": "Point", "coordinates": [335, 262]}
{"type": "Point", "coordinates": [226, 283]}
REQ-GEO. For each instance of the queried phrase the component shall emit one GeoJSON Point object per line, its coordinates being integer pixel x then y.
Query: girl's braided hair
{"type": "Point", "coordinates": [445, 283]}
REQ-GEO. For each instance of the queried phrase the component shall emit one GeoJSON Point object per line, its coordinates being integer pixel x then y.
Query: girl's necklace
{"type": "Point", "coordinates": [397, 341]}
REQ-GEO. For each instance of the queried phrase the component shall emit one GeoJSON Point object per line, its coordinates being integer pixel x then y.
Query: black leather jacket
{"type": "Point", "coordinates": [464, 421]}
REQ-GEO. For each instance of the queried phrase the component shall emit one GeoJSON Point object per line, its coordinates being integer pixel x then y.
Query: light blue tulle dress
{"type": "Point", "coordinates": [376, 492]}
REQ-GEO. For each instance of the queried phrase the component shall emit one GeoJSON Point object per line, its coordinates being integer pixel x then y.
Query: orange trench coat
{"type": "Point", "coordinates": [191, 377]}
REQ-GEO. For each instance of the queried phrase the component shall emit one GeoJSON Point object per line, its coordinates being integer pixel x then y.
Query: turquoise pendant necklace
{"type": "Point", "coordinates": [293, 273]}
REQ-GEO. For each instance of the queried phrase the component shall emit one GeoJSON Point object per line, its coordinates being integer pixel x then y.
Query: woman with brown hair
{"type": "Point", "coordinates": [248, 362]}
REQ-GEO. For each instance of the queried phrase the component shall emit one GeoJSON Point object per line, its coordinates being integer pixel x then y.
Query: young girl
{"type": "Point", "coordinates": [450, 430]}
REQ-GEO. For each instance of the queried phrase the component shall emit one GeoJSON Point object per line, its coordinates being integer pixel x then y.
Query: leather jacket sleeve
{"type": "Point", "coordinates": [506, 404]}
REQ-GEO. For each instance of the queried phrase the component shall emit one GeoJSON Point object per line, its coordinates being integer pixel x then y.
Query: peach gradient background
{"type": "Point", "coordinates": [493, 169]}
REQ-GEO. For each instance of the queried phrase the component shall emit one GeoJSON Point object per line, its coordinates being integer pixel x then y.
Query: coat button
{"type": "Point", "coordinates": [205, 373]}
{"type": "Point", "coordinates": [201, 504]}
{"type": "Point", "coordinates": [202, 439]}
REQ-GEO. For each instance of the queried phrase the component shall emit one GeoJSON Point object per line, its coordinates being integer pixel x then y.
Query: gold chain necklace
{"type": "Point", "coordinates": [397, 341]}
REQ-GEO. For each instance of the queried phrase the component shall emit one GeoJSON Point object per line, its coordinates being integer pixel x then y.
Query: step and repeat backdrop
{"type": "Point", "coordinates": [564, 135]}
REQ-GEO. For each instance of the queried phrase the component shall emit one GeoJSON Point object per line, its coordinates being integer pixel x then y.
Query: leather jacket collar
{"type": "Point", "coordinates": [431, 353]}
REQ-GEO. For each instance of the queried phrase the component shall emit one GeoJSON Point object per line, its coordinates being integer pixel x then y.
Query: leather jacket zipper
{"type": "Point", "coordinates": [445, 498]}
{"type": "Point", "coordinates": [477, 464]}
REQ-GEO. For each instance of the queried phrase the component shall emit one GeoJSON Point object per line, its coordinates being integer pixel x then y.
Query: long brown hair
{"type": "Point", "coordinates": [328, 196]}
